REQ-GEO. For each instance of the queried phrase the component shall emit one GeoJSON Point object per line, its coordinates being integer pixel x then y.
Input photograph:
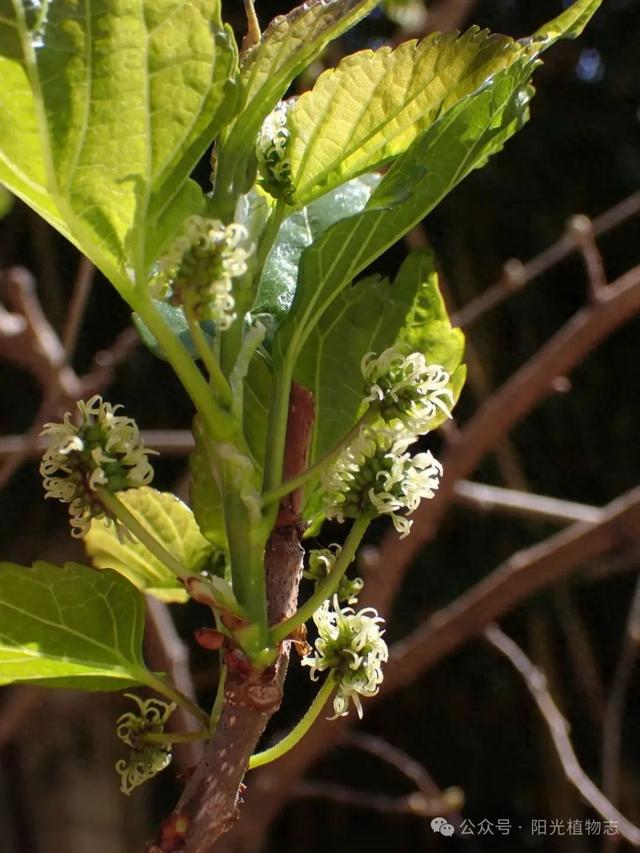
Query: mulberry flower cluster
{"type": "Point", "coordinates": [321, 562]}
{"type": "Point", "coordinates": [105, 451]}
{"type": "Point", "coordinates": [272, 151]}
{"type": "Point", "coordinates": [349, 644]}
{"type": "Point", "coordinates": [145, 759]}
{"type": "Point", "coordinates": [200, 268]}
{"type": "Point", "coordinates": [376, 475]}
{"type": "Point", "coordinates": [406, 388]}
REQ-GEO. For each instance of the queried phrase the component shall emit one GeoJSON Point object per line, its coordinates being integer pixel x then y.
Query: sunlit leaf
{"type": "Point", "coordinates": [374, 104]}
{"type": "Point", "coordinates": [69, 627]}
{"type": "Point", "coordinates": [288, 45]}
{"type": "Point", "coordinates": [451, 148]}
{"type": "Point", "coordinates": [171, 523]}
{"type": "Point", "coordinates": [104, 110]}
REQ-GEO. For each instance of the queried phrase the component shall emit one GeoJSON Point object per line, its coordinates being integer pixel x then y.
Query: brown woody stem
{"type": "Point", "coordinates": [212, 796]}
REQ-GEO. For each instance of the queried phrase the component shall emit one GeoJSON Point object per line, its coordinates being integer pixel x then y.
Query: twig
{"type": "Point", "coordinates": [497, 293]}
{"type": "Point", "coordinates": [411, 804]}
{"type": "Point", "coordinates": [580, 651]}
{"type": "Point", "coordinates": [77, 306]}
{"type": "Point", "coordinates": [169, 442]}
{"type": "Point", "coordinates": [408, 767]}
{"type": "Point", "coordinates": [581, 229]}
{"type": "Point", "coordinates": [614, 713]}
{"type": "Point", "coordinates": [524, 573]}
{"type": "Point", "coordinates": [492, 498]}
{"type": "Point", "coordinates": [536, 683]}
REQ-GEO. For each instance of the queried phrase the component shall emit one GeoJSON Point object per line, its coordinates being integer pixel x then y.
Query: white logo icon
{"type": "Point", "coordinates": [439, 824]}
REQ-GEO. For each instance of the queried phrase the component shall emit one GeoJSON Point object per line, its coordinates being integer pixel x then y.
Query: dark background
{"type": "Point", "coordinates": [470, 721]}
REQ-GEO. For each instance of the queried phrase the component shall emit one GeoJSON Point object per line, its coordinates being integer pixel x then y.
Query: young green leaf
{"type": "Point", "coordinates": [374, 104]}
{"type": "Point", "coordinates": [70, 627]}
{"type": "Point", "coordinates": [289, 44]}
{"type": "Point", "coordinates": [104, 110]}
{"type": "Point", "coordinates": [452, 147]}
{"type": "Point", "coordinates": [170, 522]}
{"type": "Point", "coordinates": [366, 317]}
{"type": "Point", "coordinates": [427, 330]}
{"type": "Point", "coordinates": [278, 281]}
{"type": "Point", "coordinates": [569, 24]}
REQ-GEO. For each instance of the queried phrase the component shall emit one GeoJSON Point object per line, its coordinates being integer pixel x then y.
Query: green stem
{"type": "Point", "coordinates": [219, 422]}
{"type": "Point", "coordinates": [175, 737]}
{"type": "Point", "coordinates": [328, 586]}
{"type": "Point", "coordinates": [277, 428]}
{"type": "Point", "coordinates": [165, 689]}
{"type": "Point", "coordinates": [268, 236]}
{"type": "Point", "coordinates": [299, 731]}
{"type": "Point", "coordinates": [217, 377]}
{"type": "Point", "coordinates": [123, 514]}
{"type": "Point", "coordinates": [314, 470]}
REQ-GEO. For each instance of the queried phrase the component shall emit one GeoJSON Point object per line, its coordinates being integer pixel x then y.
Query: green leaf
{"type": "Point", "coordinates": [104, 111]}
{"type": "Point", "coordinates": [289, 45]}
{"type": "Point", "coordinates": [6, 201]}
{"type": "Point", "coordinates": [374, 104]}
{"type": "Point", "coordinates": [427, 329]}
{"type": "Point", "coordinates": [204, 492]}
{"type": "Point", "coordinates": [257, 398]}
{"type": "Point", "coordinates": [569, 24]}
{"type": "Point", "coordinates": [22, 166]}
{"type": "Point", "coordinates": [451, 148]}
{"type": "Point", "coordinates": [370, 316]}
{"type": "Point", "coordinates": [278, 281]}
{"type": "Point", "coordinates": [459, 141]}
{"type": "Point", "coordinates": [172, 523]}
{"type": "Point", "coordinates": [69, 627]}
{"type": "Point", "coordinates": [366, 317]}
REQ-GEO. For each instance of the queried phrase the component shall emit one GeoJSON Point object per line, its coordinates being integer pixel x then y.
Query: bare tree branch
{"type": "Point", "coordinates": [558, 728]}
{"type": "Point", "coordinates": [522, 574]}
{"type": "Point", "coordinates": [411, 804]}
{"type": "Point", "coordinates": [492, 498]}
{"type": "Point", "coordinates": [516, 275]}
{"type": "Point", "coordinates": [614, 713]}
